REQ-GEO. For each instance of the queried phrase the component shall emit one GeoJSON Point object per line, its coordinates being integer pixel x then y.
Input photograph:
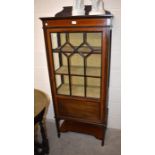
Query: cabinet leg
{"type": "Point", "coordinates": [58, 127]}
{"type": "Point", "coordinates": [104, 130]}
{"type": "Point", "coordinates": [102, 142]}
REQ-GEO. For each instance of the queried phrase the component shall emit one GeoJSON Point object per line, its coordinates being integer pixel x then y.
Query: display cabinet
{"type": "Point", "coordinates": [78, 56]}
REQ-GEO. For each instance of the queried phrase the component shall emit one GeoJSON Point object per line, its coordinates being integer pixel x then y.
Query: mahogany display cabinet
{"type": "Point", "coordinates": [78, 55]}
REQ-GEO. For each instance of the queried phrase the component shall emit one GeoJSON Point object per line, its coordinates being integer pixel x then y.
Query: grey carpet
{"type": "Point", "coordinates": [80, 144]}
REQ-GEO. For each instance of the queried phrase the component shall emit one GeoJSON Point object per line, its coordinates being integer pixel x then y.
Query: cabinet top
{"type": "Point", "coordinates": [66, 13]}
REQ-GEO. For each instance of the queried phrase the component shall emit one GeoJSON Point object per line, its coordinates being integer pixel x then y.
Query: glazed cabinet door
{"type": "Point", "coordinates": [77, 67]}
{"type": "Point", "coordinates": [77, 63]}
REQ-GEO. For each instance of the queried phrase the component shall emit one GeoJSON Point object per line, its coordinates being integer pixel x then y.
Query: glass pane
{"type": "Point", "coordinates": [93, 65]}
{"type": "Point", "coordinates": [58, 80]}
{"type": "Point", "coordinates": [63, 67]}
{"type": "Point", "coordinates": [77, 85]}
{"type": "Point", "coordinates": [76, 38]}
{"type": "Point", "coordinates": [54, 39]}
{"type": "Point", "coordinates": [93, 87]}
{"type": "Point", "coordinates": [94, 40]}
{"type": "Point", "coordinates": [56, 60]}
{"type": "Point", "coordinates": [67, 48]}
{"type": "Point", "coordinates": [62, 82]}
{"type": "Point", "coordinates": [77, 63]}
{"type": "Point", "coordinates": [76, 60]}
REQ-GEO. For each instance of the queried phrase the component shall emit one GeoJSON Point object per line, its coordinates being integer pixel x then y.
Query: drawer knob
{"type": "Point", "coordinates": [74, 22]}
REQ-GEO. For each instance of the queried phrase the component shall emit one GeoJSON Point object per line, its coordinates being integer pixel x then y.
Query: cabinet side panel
{"type": "Point", "coordinates": [49, 56]}
{"type": "Point", "coordinates": [104, 74]}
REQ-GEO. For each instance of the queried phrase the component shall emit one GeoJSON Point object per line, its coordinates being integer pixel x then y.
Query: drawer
{"type": "Point", "coordinates": [79, 109]}
{"type": "Point", "coordinates": [75, 22]}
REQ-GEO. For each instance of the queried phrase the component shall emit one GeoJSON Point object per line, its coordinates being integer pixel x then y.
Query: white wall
{"type": "Point", "coordinates": [48, 8]}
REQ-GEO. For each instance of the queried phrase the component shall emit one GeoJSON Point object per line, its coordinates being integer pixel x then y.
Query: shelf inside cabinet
{"type": "Point", "coordinates": [79, 70]}
{"type": "Point", "coordinates": [78, 90]}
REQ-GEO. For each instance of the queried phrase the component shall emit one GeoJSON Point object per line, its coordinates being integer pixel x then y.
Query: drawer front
{"type": "Point", "coordinates": [76, 22]}
{"type": "Point", "coordinates": [79, 109]}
